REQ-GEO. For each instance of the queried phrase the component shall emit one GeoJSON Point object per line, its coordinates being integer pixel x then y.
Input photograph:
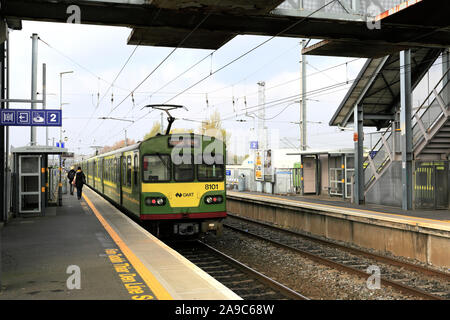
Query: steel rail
{"type": "Point", "coordinates": [378, 257]}
{"type": "Point", "coordinates": [336, 265]}
{"type": "Point", "coordinates": [255, 274]}
{"type": "Point", "coordinates": [252, 274]}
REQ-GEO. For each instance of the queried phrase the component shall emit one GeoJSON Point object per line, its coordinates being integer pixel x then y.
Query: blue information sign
{"type": "Point", "coordinates": [254, 145]}
{"type": "Point", "coordinates": [21, 117]}
{"type": "Point", "coordinates": [228, 172]}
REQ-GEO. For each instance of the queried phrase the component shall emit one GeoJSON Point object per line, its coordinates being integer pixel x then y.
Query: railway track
{"type": "Point", "coordinates": [405, 277]}
{"type": "Point", "coordinates": [249, 284]}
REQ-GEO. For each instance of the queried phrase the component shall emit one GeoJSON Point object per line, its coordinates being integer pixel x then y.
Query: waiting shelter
{"type": "Point", "coordinates": [31, 189]}
{"type": "Point", "coordinates": [324, 173]}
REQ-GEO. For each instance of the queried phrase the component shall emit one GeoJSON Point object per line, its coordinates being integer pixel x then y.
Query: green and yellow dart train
{"type": "Point", "coordinates": [175, 183]}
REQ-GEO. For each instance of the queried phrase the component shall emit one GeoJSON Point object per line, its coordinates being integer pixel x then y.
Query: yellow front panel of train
{"type": "Point", "coordinates": [183, 194]}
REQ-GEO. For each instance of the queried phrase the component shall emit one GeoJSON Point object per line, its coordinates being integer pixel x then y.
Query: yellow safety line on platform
{"type": "Point", "coordinates": [151, 281]}
{"type": "Point", "coordinates": [354, 210]}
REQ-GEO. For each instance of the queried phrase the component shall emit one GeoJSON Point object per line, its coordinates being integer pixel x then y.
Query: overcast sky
{"type": "Point", "coordinates": [96, 55]}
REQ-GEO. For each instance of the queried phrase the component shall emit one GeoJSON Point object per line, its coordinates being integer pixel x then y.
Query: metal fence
{"type": "Point", "coordinates": [53, 183]}
{"type": "Point", "coordinates": [431, 184]}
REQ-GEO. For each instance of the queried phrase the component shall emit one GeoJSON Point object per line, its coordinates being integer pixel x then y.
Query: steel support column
{"type": "Point", "coordinates": [406, 128]}
{"type": "Point", "coordinates": [34, 64]}
{"type": "Point", "coordinates": [303, 118]}
{"type": "Point", "coordinates": [358, 139]}
{"type": "Point", "coordinates": [3, 155]}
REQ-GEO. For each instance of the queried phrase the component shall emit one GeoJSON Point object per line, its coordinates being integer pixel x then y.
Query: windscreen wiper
{"type": "Point", "coordinates": [166, 164]}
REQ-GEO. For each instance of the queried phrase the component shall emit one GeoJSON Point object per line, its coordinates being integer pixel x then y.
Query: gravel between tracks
{"type": "Point", "coordinates": [303, 275]}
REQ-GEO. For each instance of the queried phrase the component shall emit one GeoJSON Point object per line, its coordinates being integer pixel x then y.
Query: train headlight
{"type": "Point", "coordinates": [155, 201]}
{"type": "Point", "coordinates": [214, 199]}
{"type": "Point", "coordinates": [148, 201]}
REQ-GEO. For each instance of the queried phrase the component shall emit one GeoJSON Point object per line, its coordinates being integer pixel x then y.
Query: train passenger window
{"type": "Point", "coordinates": [136, 170]}
{"type": "Point", "coordinates": [156, 168]}
{"type": "Point", "coordinates": [118, 170]}
{"type": "Point", "coordinates": [210, 172]}
{"type": "Point", "coordinates": [129, 171]}
{"type": "Point", "coordinates": [124, 171]}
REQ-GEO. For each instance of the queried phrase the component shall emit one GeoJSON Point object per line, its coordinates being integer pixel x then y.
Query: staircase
{"type": "Point", "coordinates": [431, 135]}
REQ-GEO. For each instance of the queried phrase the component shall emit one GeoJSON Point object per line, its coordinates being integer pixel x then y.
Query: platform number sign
{"type": "Point", "coordinates": [53, 118]}
{"type": "Point", "coordinates": [21, 117]}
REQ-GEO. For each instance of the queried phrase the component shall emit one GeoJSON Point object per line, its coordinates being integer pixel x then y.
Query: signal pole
{"type": "Point", "coordinates": [303, 123]}
{"type": "Point", "coordinates": [34, 65]}
{"type": "Point", "coordinates": [261, 116]}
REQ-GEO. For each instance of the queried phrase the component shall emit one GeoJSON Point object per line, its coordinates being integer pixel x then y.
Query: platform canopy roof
{"type": "Point", "coordinates": [405, 25]}
{"type": "Point", "coordinates": [209, 24]}
{"type": "Point", "coordinates": [377, 88]}
{"type": "Point", "coordinates": [39, 150]}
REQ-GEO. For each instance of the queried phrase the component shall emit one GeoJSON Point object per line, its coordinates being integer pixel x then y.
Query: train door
{"type": "Point", "coordinates": [135, 178]}
{"type": "Point", "coordinates": [95, 174]}
{"type": "Point", "coordinates": [117, 179]}
{"type": "Point", "coordinates": [102, 174]}
{"type": "Point", "coordinates": [122, 176]}
{"type": "Point", "coordinates": [309, 175]}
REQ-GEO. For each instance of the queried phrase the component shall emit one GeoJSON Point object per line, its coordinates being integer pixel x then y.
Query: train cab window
{"type": "Point", "coordinates": [129, 171]}
{"type": "Point", "coordinates": [184, 172]}
{"type": "Point", "coordinates": [212, 172]}
{"type": "Point", "coordinates": [156, 168]}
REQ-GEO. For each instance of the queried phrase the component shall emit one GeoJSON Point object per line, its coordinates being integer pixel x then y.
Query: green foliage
{"type": "Point", "coordinates": [154, 130]}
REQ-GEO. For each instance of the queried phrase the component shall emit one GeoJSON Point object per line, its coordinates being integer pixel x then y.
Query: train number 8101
{"type": "Point", "coordinates": [213, 186]}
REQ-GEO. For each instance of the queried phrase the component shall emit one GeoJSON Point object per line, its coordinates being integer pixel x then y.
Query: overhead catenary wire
{"type": "Point", "coordinates": [167, 57]}
{"type": "Point", "coordinates": [271, 105]}
{"type": "Point", "coordinates": [345, 83]}
{"type": "Point", "coordinates": [176, 78]}
{"type": "Point", "coordinates": [287, 82]}
{"type": "Point", "coordinates": [156, 68]}
{"type": "Point", "coordinates": [242, 55]}
{"type": "Point", "coordinates": [106, 92]}
{"type": "Point", "coordinates": [159, 65]}
{"type": "Point", "coordinates": [251, 50]}
{"type": "Point", "coordinates": [308, 94]}
{"type": "Point", "coordinates": [79, 65]}
{"type": "Point", "coordinates": [256, 71]}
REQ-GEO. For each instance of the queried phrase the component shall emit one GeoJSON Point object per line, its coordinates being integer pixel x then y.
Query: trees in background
{"type": "Point", "coordinates": [117, 145]}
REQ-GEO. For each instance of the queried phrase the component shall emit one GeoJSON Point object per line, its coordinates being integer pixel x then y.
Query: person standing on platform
{"type": "Point", "coordinates": [80, 180]}
{"type": "Point", "coordinates": [71, 176]}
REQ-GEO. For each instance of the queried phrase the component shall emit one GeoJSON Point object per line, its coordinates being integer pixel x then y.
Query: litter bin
{"type": "Point", "coordinates": [241, 183]}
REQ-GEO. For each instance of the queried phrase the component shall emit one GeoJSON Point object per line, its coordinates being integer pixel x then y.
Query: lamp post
{"type": "Point", "coordinates": [60, 138]}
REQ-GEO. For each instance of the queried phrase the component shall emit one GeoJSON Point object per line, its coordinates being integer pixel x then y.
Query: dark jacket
{"type": "Point", "coordinates": [80, 179]}
{"type": "Point", "coordinates": [71, 175]}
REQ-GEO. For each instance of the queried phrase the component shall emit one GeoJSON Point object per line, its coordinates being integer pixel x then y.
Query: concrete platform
{"type": "Point", "coordinates": [419, 235]}
{"type": "Point", "coordinates": [436, 218]}
{"type": "Point", "coordinates": [90, 250]}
